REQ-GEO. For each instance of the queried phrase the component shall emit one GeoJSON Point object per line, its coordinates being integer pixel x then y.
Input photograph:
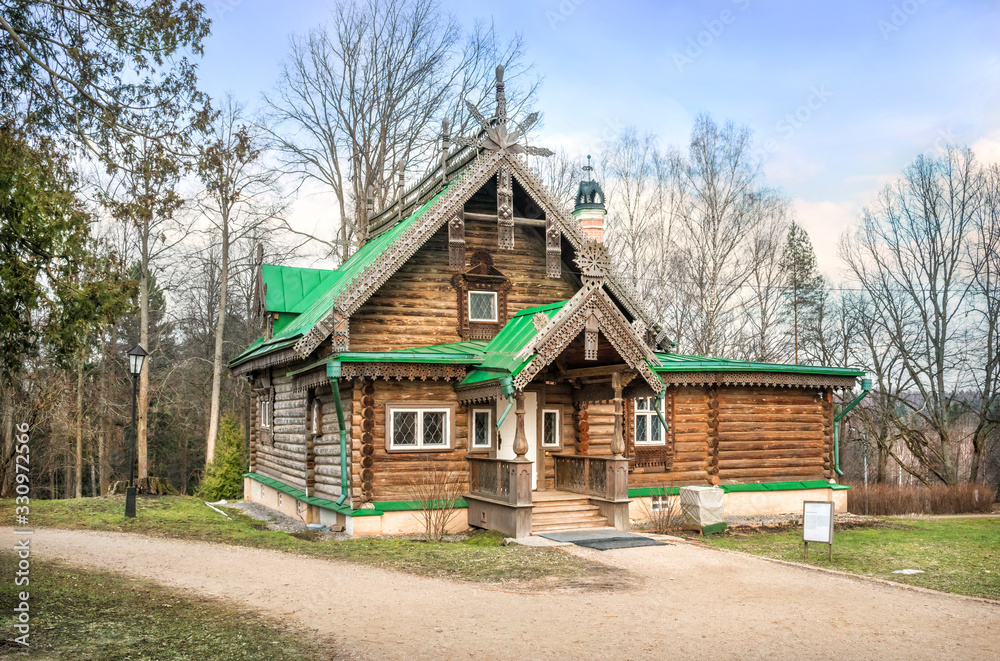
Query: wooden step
{"type": "Point", "coordinates": [554, 517]}
{"type": "Point", "coordinates": [582, 507]}
{"type": "Point", "coordinates": [564, 527]}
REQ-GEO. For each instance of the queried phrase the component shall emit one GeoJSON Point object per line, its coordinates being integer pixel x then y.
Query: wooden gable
{"type": "Point", "coordinates": [418, 305]}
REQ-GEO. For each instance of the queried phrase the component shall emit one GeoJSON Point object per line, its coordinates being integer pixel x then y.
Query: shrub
{"type": "Point", "coordinates": [223, 478]}
{"type": "Point", "coordinates": [436, 492]}
{"type": "Point", "coordinates": [891, 499]}
{"type": "Point", "coordinates": [663, 512]}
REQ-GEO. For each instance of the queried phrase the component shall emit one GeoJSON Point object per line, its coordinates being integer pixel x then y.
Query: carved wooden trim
{"type": "Point", "coordinates": [582, 427]}
{"type": "Point", "coordinates": [553, 248]}
{"type": "Point", "coordinates": [483, 393]}
{"type": "Point", "coordinates": [486, 164]}
{"type": "Point", "coordinates": [283, 357]}
{"type": "Point", "coordinates": [776, 379]}
{"type": "Point", "coordinates": [400, 371]}
{"type": "Point", "coordinates": [456, 241]}
{"type": "Point", "coordinates": [571, 320]}
{"type": "Point", "coordinates": [481, 277]}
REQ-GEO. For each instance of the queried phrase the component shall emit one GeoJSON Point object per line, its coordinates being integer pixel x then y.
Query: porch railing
{"type": "Point", "coordinates": [500, 479]}
{"type": "Point", "coordinates": [601, 477]}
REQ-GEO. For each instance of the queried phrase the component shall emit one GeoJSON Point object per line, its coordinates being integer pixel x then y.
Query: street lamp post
{"type": "Point", "coordinates": [136, 358]}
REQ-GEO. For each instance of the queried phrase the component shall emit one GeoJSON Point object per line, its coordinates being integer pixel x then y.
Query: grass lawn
{"type": "Point", "coordinates": [85, 614]}
{"type": "Point", "coordinates": [478, 557]}
{"type": "Point", "coordinates": [956, 555]}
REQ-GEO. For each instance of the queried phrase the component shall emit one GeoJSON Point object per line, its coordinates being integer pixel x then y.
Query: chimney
{"type": "Point", "coordinates": [589, 210]}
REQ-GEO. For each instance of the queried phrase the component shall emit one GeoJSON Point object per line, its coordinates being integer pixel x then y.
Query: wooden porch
{"type": "Point", "coordinates": [590, 492]}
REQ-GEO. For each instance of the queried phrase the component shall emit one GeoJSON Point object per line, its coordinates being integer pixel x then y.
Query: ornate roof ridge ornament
{"type": "Point", "coordinates": [495, 134]}
{"type": "Point", "coordinates": [594, 263]}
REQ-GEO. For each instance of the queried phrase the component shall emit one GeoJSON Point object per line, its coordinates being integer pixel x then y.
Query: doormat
{"type": "Point", "coordinates": [603, 540]}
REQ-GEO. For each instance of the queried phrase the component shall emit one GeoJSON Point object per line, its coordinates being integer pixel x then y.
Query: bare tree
{"type": "Point", "coordinates": [724, 202]}
{"type": "Point", "coordinates": [240, 199]}
{"type": "Point", "coordinates": [909, 254]}
{"type": "Point", "coordinates": [359, 102]}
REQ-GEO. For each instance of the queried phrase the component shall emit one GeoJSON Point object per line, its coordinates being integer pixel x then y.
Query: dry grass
{"type": "Point", "coordinates": [891, 499]}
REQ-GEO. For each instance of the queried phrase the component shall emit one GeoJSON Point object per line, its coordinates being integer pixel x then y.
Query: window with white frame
{"type": "Point", "coordinates": [648, 429]}
{"type": "Point", "coordinates": [482, 420]}
{"type": "Point", "coordinates": [550, 428]}
{"type": "Point", "coordinates": [265, 412]}
{"type": "Point", "coordinates": [483, 306]}
{"type": "Point", "coordinates": [419, 428]}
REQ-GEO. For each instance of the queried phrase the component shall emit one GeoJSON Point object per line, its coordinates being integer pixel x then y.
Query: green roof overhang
{"type": "Point", "coordinates": [672, 362]}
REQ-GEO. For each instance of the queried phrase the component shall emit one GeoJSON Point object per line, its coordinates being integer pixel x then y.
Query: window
{"type": "Point", "coordinates": [265, 412]}
{"type": "Point", "coordinates": [483, 306]}
{"type": "Point", "coordinates": [662, 503]}
{"type": "Point", "coordinates": [648, 429]}
{"type": "Point", "coordinates": [419, 429]}
{"type": "Point", "coordinates": [316, 418]}
{"type": "Point", "coordinates": [279, 499]}
{"type": "Point", "coordinates": [481, 428]}
{"type": "Point", "coordinates": [550, 428]}
{"type": "Point", "coordinates": [261, 490]}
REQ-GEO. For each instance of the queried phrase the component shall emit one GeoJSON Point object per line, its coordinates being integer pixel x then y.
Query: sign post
{"type": "Point", "coordinates": [817, 524]}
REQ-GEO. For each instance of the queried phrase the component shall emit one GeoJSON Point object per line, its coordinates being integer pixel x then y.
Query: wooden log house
{"type": "Point", "coordinates": [479, 331]}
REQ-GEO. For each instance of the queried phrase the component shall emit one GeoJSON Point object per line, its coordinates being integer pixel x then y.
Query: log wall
{"type": "Point", "coordinates": [282, 454]}
{"type": "Point", "coordinates": [735, 435]}
{"type": "Point", "coordinates": [420, 300]}
{"type": "Point", "coordinates": [392, 474]}
{"type": "Point", "coordinates": [327, 448]}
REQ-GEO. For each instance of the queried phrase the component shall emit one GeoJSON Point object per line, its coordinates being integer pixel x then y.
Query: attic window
{"type": "Point", "coordinates": [483, 306]}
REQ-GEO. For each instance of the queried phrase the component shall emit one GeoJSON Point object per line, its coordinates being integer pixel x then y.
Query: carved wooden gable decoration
{"type": "Point", "coordinates": [482, 277]}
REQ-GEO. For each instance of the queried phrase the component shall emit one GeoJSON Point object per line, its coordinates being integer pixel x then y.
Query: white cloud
{"type": "Point", "coordinates": [826, 221]}
{"type": "Point", "coordinates": [987, 148]}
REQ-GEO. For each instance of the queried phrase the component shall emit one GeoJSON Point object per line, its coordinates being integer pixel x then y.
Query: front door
{"type": "Point", "coordinates": [509, 428]}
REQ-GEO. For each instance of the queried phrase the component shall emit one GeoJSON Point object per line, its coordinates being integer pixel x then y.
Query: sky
{"type": "Point", "coordinates": [841, 96]}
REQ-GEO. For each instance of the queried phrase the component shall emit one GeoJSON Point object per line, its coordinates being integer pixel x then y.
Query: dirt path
{"type": "Point", "coordinates": [688, 601]}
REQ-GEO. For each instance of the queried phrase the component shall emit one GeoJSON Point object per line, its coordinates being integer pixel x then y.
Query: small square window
{"type": "Point", "coordinates": [481, 420]}
{"type": "Point", "coordinates": [483, 306]}
{"type": "Point", "coordinates": [433, 428]}
{"type": "Point", "coordinates": [279, 499]}
{"type": "Point", "coordinates": [550, 428]}
{"type": "Point", "coordinates": [661, 503]}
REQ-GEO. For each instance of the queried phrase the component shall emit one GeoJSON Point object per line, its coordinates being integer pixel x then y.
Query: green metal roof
{"type": "Point", "coordinates": [288, 287]}
{"type": "Point", "coordinates": [500, 355]}
{"type": "Point", "coordinates": [318, 302]}
{"type": "Point", "coordinates": [453, 353]}
{"type": "Point", "coordinates": [675, 362]}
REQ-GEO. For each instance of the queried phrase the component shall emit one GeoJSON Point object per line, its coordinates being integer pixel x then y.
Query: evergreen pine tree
{"type": "Point", "coordinates": [224, 476]}
{"type": "Point", "coordinates": [805, 286]}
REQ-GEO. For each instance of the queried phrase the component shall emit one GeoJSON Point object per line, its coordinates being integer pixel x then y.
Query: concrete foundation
{"type": "Point", "coordinates": [750, 503]}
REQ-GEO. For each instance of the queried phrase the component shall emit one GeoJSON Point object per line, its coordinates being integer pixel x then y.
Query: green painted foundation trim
{"type": "Point", "coordinates": [713, 529]}
{"type": "Point", "coordinates": [311, 500]}
{"type": "Point", "coordinates": [379, 509]}
{"type": "Point", "coordinates": [409, 505]}
{"type": "Point", "coordinates": [729, 488]}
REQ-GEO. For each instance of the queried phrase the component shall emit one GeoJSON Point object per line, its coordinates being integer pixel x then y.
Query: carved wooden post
{"type": "Point", "coordinates": [618, 438]}
{"type": "Point", "coordinates": [520, 440]}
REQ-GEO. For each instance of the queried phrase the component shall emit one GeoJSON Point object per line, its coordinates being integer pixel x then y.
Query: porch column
{"type": "Point", "coordinates": [520, 440]}
{"type": "Point", "coordinates": [618, 438]}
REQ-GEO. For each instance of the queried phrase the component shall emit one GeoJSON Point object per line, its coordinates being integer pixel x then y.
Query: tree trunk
{"type": "Point", "coordinates": [143, 404]}
{"type": "Point", "coordinates": [7, 460]}
{"type": "Point", "coordinates": [79, 429]}
{"type": "Point", "coordinates": [102, 465]}
{"type": "Point", "coordinates": [220, 328]}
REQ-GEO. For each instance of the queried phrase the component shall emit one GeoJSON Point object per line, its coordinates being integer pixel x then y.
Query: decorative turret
{"type": "Point", "coordinates": [589, 210]}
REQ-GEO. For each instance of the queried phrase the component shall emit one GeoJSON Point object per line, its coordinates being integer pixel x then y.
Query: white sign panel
{"type": "Point", "coordinates": [817, 522]}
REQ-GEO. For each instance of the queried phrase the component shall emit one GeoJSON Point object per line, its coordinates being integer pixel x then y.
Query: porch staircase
{"type": "Point", "coordinates": [559, 511]}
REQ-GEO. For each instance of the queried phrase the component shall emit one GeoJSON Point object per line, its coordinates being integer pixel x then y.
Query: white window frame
{"type": "Point", "coordinates": [652, 418]}
{"type": "Point", "coordinates": [496, 309]}
{"type": "Point", "coordinates": [489, 430]}
{"type": "Point", "coordinates": [420, 446]}
{"type": "Point", "coordinates": [265, 412]}
{"type": "Point", "coordinates": [558, 442]}
{"type": "Point", "coordinates": [661, 503]}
